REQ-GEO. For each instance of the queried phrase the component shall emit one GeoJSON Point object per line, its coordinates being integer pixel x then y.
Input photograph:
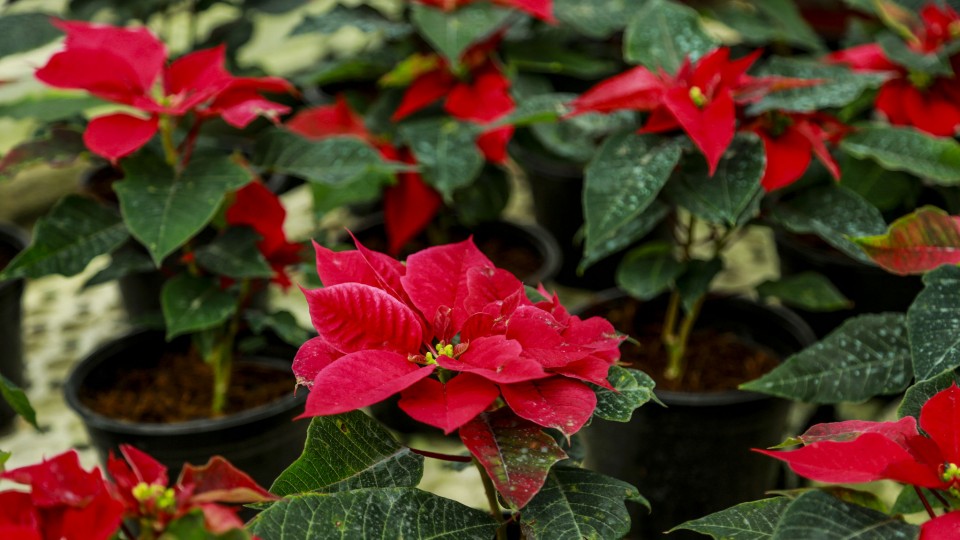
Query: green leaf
{"type": "Point", "coordinates": [598, 19]}
{"type": "Point", "coordinates": [771, 21]}
{"type": "Point", "coordinates": [818, 516]}
{"type": "Point", "coordinates": [633, 388]}
{"type": "Point", "coordinates": [17, 399]}
{"type": "Point", "coordinates": [808, 290]}
{"type": "Point", "coordinates": [839, 85]}
{"type": "Point", "coordinates": [936, 159]}
{"type": "Point", "coordinates": [854, 496]}
{"type": "Point", "coordinates": [833, 213]}
{"type": "Point", "coordinates": [732, 195]}
{"type": "Point", "coordinates": [866, 356]}
{"type": "Point", "coordinates": [897, 50]}
{"type": "Point", "coordinates": [20, 32]}
{"type": "Point", "coordinates": [755, 520]}
{"type": "Point", "coordinates": [916, 243]}
{"type": "Point", "coordinates": [577, 503]}
{"type": "Point", "coordinates": [696, 279]}
{"type": "Point", "coordinates": [346, 452]}
{"type": "Point", "coordinates": [193, 526]}
{"type": "Point", "coordinates": [4, 457]}
{"type": "Point", "coordinates": [364, 18]}
{"type": "Point", "coordinates": [333, 161]}
{"type": "Point", "coordinates": [633, 231]}
{"type": "Point", "coordinates": [620, 183]}
{"type": "Point", "coordinates": [282, 323]}
{"type": "Point", "coordinates": [451, 33]}
{"type": "Point", "coordinates": [648, 270]}
{"type": "Point", "coordinates": [545, 56]}
{"type": "Point", "coordinates": [235, 254]}
{"type": "Point", "coordinates": [364, 188]}
{"type": "Point", "coordinates": [908, 502]}
{"type": "Point", "coordinates": [539, 108]}
{"type": "Point", "coordinates": [163, 210]}
{"type": "Point", "coordinates": [48, 107]}
{"type": "Point", "coordinates": [933, 322]}
{"type": "Point", "coordinates": [59, 147]}
{"type": "Point", "coordinates": [368, 65]}
{"type": "Point", "coordinates": [446, 151]}
{"type": "Point", "coordinates": [405, 513]}
{"type": "Point", "coordinates": [572, 138]}
{"type": "Point", "coordinates": [881, 187]}
{"type": "Point", "coordinates": [75, 231]}
{"type": "Point", "coordinates": [193, 303]}
{"type": "Point", "coordinates": [918, 394]}
{"type": "Point", "coordinates": [662, 33]}
{"type": "Point", "coordinates": [123, 262]}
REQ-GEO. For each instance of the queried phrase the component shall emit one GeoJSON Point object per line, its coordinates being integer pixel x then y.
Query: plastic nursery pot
{"type": "Point", "coordinates": [262, 441]}
{"type": "Point", "coordinates": [872, 289]}
{"type": "Point", "coordinates": [692, 457]}
{"type": "Point", "coordinates": [12, 242]}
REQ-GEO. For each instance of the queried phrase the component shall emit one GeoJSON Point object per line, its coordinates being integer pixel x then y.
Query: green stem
{"type": "Point", "coordinates": [675, 365]}
{"type": "Point", "coordinates": [223, 355]}
{"type": "Point", "coordinates": [926, 503]}
{"type": "Point", "coordinates": [166, 136]}
{"type": "Point", "coordinates": [669, 334]}
{"type": "Point", "coordinates": [491, 492]}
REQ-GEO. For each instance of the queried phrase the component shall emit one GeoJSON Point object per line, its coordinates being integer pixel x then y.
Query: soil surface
{"type": "Point", "coordinates": [715, 361]}
{"type": "Point", "coordinates": [180, 388]}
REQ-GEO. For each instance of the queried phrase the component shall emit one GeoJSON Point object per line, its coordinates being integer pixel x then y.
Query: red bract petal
{"type": "Point", "coordinates": [220, 481]}
{"type": "Point", "coordinates": [710, 128]}
{"type": "Point", "coordinates": [425, 90]}
{"type": "Point", "coordinates": [314, 355]}
{"type": "Point", "coordinates": [900, 431]}
{"type": "Point", "coordinates": [940, 417]}
{"type": "Point", "coordinates": [487, 285]}
{"type": "Point", "coordinates": [241, 106]}
{"type": "Point", "coordinates": [494, 143]}
{"type": "Point", "coordinates": [101, 73]}
{"type": "Point", "coordinates": [437, 276]}
{"type": "Point", "coordinates": [945, 527]}
{"type": "Point", "coordinates": [933, 110]}
{"type": "Point", "coordinates": [336, 267]}
{"type": "Point", "coordinates": [327, 121]}
{"type": "Point", "coordinates": [541, 9]}
{"type": "Point", "coordinates": [408, 207]}
{"type": "Point", "coordinates": [495, 358]}
{"type": "Point", "coordinates": [386, 270]}
{"type": "Point", "coordinates": [353, 317]}
{"type": "Point", "coordinates": [539, 335]}
{"type": "Point", "coordinates": [637, 89]}
{"type": "Point", "coordinates": [98, 520]}
{"type": "Point", "coordinates": [916, 243]}
{"type": "Point", "coordinates": [259, 208]}
{"type": "Point", "coordinates": [817, 136]}
{"type": "Point", "coordinates": [556, 402]}
{"type": "Point", "coordinates": [196, 77]}
{"type": "Point", "coordinates": [144, 467]}
{"type": "Point", "coordinates": [116, 135]}
{"type": "Point", "coordinates": [661, 120]}
{"type": "Point", "coordinates": [788, 156]}
{"type": "Point", "coordinates": [892, 98]}
{"type": "Point", "coordinates": [484, 99]}
{"type": "Point", "coordinates": [220, 519]}
{"type": "Point", "coordinates": [19, 532]}
{"type": "Point", "coordinates": [451, 405]}
{"type": "Point", "coordinates": [58, 481]}
{"type": "Point", "coordinates": [360, 380]}
{"type": "Point", "coordinates": [17, 510]}
{"type": "Point", "coordinates": [593, 369]}
{"type": "Point", "coordinates": [869, 57]}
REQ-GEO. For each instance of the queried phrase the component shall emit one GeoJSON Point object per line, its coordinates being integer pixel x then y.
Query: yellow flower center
{"type": "Point", "coordinates": [697, 96]}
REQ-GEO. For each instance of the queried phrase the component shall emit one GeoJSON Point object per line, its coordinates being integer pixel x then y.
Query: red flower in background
{"type": "Point", "coordinates": [129, 66]}
{"type": "Point", "coordinates": [541, 9]}
{"type": "Point", "coordinates": [410, 204]}
{"type": "Point", "coordinates": [259, 208]}
{"type": "Point", "coordinates": [789, 140]}
{"type": "Point", "coordinates": [928, 103]}
{"type": "Point", "coordinates": [386, 327]}
{"type": "Point", "coordinates": [65, 503]}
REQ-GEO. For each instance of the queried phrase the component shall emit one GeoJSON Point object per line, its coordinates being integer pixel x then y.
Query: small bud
{"type": "Point", "coordinates": [920, 79]}
{"type": "Point", "coordinates": [697, 96]}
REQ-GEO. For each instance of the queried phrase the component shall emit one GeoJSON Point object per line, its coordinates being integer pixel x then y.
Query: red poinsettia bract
{"type": "Point", "coordinates": [928, 103]}
{"type": "Point", "coordinates": [859, 451]}
{"type": "Point", "coordinates": [789, 141]}
{"type": "Point", "coordinates": [541, 9]}
{"type": "Point", "coordinates": [129, 66]}
{"type": "Point", "coordinates": [259, 208]}
{"type": "Point", "coordinates": [451, 333]}
{"type": "Point", "coordinates": [65, 502]}
{"type": "Point", "coordinates": [410, 204]}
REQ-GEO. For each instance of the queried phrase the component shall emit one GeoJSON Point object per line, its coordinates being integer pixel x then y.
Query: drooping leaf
{"type": "Point", "coordinates": [516, 453]}
{"type": "Point", "coordinates": [620, 183]}
{"type": "Point", "coordinates": [194, 303]}
{"type": "Point", "coordinates": [364, 18]}
{"type": "Point", "coordinates": [696, 279]}
{"type": "Point", "coordinates": [755, 520]}
{"type": "Point", "coordinates": [732, 195]}
{"type": "Point", "coordinates": [235, 254]}
{"type": "Point", "coordinates": [833, 213]}
{"type": "Point", "coordinates": [807, 290]}
{"type": "Point", "coordinates": [25, 31]}
{"type": "Point", "coordinates": [662, 33]}
{"type": "Point", "coordinates": [630, 233]}
{"type": "Point", "coordinates": [648, 270]}
{"type": "Point", "coordinates": [163, 209]}
{"type": "Point", "coordinates": [916, 243]}
{"type": "Point", "coordinates": [633, 389]}
{"type": "Point", "coordinates": [451, 33]}
{"type": "Point", "coordinates": [123, 262]}
{"type": "Point", "coordinates": [283, 323]}
{"type": "Point", "coordinates": [17, 399]}
{"type": "Point", "coordinates": [838, 85]}
{"type": "Point", "coordinates": [60, 147]}
{"type": "Point", "coordinates": [578, 503]}
{"type": "Point", "coordinates": [597, 19]}
{"type": "Point", "coordinates": [373, 513]}
{"type": "Point", "coordinates": [75, 231]}
{"type": "Point", "coordinates": [332, 161]}
{"type": "Point", "coordinates": [445, 149]}
{"type": "Point", "coordinates": [346, 452]}
{"type": "Point", "coordinates": [818, 516]}
{"type": "Point", "coordinates": [936, 159]}
{"type": "Point", "coordinates": [920, 393]}
{"type": "Point", "coordinates": [933, 322]}
{"type": "Point", "coordinates": [866, 356]}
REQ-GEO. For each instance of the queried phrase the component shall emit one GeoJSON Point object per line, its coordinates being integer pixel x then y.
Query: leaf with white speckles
{"type": "Point", "coordinates": [446, 151]}
{"type": "Point", "coordinates": [648, 270]}
{"type": "Point", "coordinates": [755, 520]}
{"type": "Point", "coordinates": [807, 290]}
{"type": "Point", "coordinates": [818, 516]}
{"type": "Point", "coordinates": [838, 87]}
{"type": "Point", "coordinates": [933, 322]}
{"type": "Point", "coordinates": [921, 392]}
{"type": "Point", "coordinates": [661, 34]}
{"type": "Point", "coordinates": [597, 18]}
{"type": "Point", "coordinates": [452, 32]}
{"type": "Point", "coordinates": [867, 356]}
{"type": "Point", "coordinates": [906, 149]}
{"type": "Point", "coordinates": [633, 389]}
{"type": "Point", "coordinates": [341, 162]}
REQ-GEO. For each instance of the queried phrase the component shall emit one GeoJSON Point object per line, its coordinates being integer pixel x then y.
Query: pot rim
{"type": "Point", "coordinates": [18, 239]}
{"type": "Point", "coordinates": [96, 420]}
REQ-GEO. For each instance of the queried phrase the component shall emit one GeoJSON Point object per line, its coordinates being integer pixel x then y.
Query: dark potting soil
{"type": "Point", "coordinates": [179, 388]}
{"type": "Point", "coordinates": [715, 361]}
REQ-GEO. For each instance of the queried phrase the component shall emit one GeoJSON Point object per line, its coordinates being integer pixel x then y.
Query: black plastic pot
{"type": "Point", "coordinates": [872, 289]}
{"type": "Point", "coordinates": [692, 457]}
{"type": "Point", "coordinates": [12, 241]}
{"type": "Point", "coordinates": [261, 442]}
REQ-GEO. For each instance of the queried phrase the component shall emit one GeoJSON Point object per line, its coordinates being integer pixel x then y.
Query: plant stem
{"type": "Point", "coordinates": [943, 501]}
{"type": "Point", "coordinates": [675, 365]}
{"type": "Point", "coordinates": [491, 492]}
{"type": "Point", "coordinates": [441, 456]}
{"type": "Point", "coordinates": [926, 504]}
{"type": "Point", "coordinates": [166, 136]}
{"type": "Point", "coordinates": [223, 354]}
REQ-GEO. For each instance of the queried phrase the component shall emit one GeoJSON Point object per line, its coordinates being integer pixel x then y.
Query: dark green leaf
{"type": "Point", "coordinates": [365, 66]}
{"type": "Point", "coordinates": [20, 32]}
{"type": "Point", "coordinates": [854, 496]}
{"type": "Point", "coordinates": [838, 87]}
{"type": "Point", "coordinates": [451, 33]}
{"type": "Point", "coordinates": [936, 159]}
{"type": "Point", "coordinates": [818, 516]}
{"type": "Point", "coordinates": [598, 19]}
{"type": "Point", "coordinates": [774, 21]}
{"type": "Point", "coordinates": [732, 195]}
{"type": "Point", "coordinates": [908, 502]}
{"type": "Point", "coordinates": [332, 161]}
{"type": "Point", "coordinates": [17, 399]}
{"type": "Point", "coordinates": [808, 290]}
{"type": "Point", "coordinates": [897, 50]}
{"type": "Point", "coordinates": [193, 527]}
{"type": "Point", "coordinates": [405, 513]}
{"type": "Point", "coordinates": [933, 322]}
{"type": "Point", "coordinates": [867, 356]}
{"type": "Point", "coordinates": [577, 503]}
{"type": "Point", "coordinates": [282, 323]}
{"type": "Point", "coordinates": [547, 57]}
{"type": "Point", "coordinates": [484, 199]}
{"type": "Point", "coordinates": [123, 262]}
{"type": "Point", "coordinates": [755, 520]}
{"type": "Point", "coordinates": [881, 187]}
{"type": "Point", "coordinates": [59, 147]}
{"type": "Point", "coordinates": [662, 33]}
{"type": "Point", "coordinates": [235, 254]}
{"type": "Point", "coordinates": [163, 210]}
{"type": "Point", "coordinates": [633, 389]}
{"type": "Point", "coordinates": [921, 392]}
{"type": "Point", "coordinates": [573, 138]}
{"type": "Point", "coordinates": [446, 151]}
{"type": "Point", "coordinates": [346, 452]}
{"type": "Point", "coordinates": [363, 188]}
{"type": "Point", "coordinates": [540, 108]}
{"type": "Point", "coordinates": [364, 18]}
{"type": "Point", "coordinates": [696, 279]}
{"type": "Point", "coordinates": [48, 107]}
{"type": "Point", "coordinates": [193, 303]}
{"type": "Point", "coordinates": [648, 270]}
{"type": "Point", "coordinates": [75, 231]}
{"type": "Point", "coordinates": [630, 233]}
